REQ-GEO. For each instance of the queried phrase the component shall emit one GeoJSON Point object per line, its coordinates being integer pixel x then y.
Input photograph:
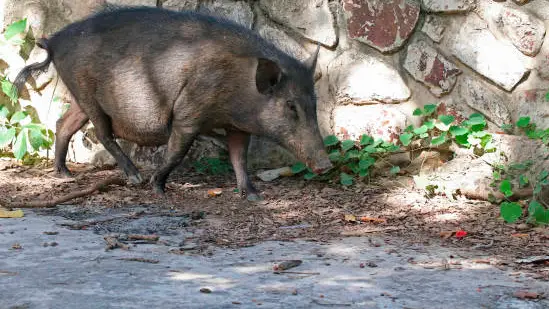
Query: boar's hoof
{"type": "Point", "coordinates": [63, 172]}
{"type": "Point", "coordinates": [252, 197]}
{"type": "Point", "coordinates": [135, 179]}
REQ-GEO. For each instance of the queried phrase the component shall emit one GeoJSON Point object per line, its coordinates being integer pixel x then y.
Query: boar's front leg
{"type": "Point", "coordinates": [181, 140]}
{"type": "Point", "coordinates": [238, 151]}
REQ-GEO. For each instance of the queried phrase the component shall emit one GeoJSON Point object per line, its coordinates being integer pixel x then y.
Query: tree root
{"type": "Point", "coordinates": [485, 194]}
{"type": "Point", "coordinates": [99, 186]}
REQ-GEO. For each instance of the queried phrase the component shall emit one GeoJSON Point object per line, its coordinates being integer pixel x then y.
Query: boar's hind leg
{"type": "Point", "coordinates": [238, 151]}
{"type": "Point", "coordinates": [179, 144]}
{"type": "Point", "coordinates": [66, 126]}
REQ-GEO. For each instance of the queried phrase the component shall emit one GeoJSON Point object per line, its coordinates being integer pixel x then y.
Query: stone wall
{"type": "Point", "coordinates": [379, 59]}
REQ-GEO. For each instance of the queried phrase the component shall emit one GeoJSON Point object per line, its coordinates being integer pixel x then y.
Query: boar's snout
{"type": "Point", "coordinates": [321, 165]}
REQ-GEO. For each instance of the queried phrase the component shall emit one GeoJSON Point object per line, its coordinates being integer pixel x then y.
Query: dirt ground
{"type": "Point", "coordinates": [296, 209]}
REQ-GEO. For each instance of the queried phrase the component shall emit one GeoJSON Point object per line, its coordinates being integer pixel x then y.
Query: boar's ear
{"type": "Point", "coordinates": [311, 62]}
{"type": "Point", "coordinates": [267, 76]}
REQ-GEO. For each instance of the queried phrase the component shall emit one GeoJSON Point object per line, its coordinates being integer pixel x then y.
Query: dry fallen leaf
{"type": "Point", "coordinates": [372, 220]}
{"type": "Point", "coordinates": [527, 295]}
{"type": "Point", "coordinates": [215, 192]}
{"type": "Point", "coordinates": [520, 235]}
{"type": "Point", "coordinates": [350, 218]}
{"type": "Point", "coordinates": [11, 214]}
{"type": "Point", "coordinates": [446, 234]}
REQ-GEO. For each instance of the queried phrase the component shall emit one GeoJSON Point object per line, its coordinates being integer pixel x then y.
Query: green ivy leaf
{"type": "Point", "coordinates": [16, 28]}
{"type": "Point", "coordinates": [20, 146]}
{"type": "Point", "coordinates": [424, 135]}
{"type": "Point", "coordinates": [392, 148]}
{"type": "Point", "coordinates": [538, 212]}
{"type": "Point", "coordinates": [352, 154]}
{"type": "Point", "coordinates": [523, 181]}
{"type": "Point", "coordinates": [330, 140]}
{"type": "Point", "coordinates": [363, 172]}
{"type": "Point", "coordinates": [370, 149]}
{"type": "Point", "coordinates": [347, 144]}
{"type": "Point", "coordinates": [366, 163]}
{"type": "Point", "coordinates": [353, 166]}
{"type": "Point", "coordinates": [17, 117]}
{"type": "Point", "coordinates": [446, 119]}
{"type": "Point", "coordinates": [505, 187]}
{"type": "Point", "coordinates": [478, 127]}
{"type": "Point", "coordinates": [406, 138]}
{"type": "Point", "coordinates": [547, 96]}
{"type": "Point", "coordinates": [463, 140]}
{"type": "Point", "coordinates": [420, 130]}
{"type": "Point", "coordinates": [417, 112]}
{"type": "Point", "coordinates": [457, 130]}
{"type": "Point", "coordinates": [4, 113]}
{"type": "Point", "coordinates": [430, 124]}
{"type": "Point", "coordinates": [37, 139]}
{"type": "Point", "coordinates": [394, 170]}
{"type": "Point", "coordinates": [476, 118]}
{"type": "Point", "coordinates": [296, 168]}
{"type": "Point", "coordinates": [429, 109]}
{"type": "Point", "coordinates": [523, 122]}
{"type": "Point", "coordinates": [366, 140]}
{"type": "Point", "coordinates": [510, 212]}
{"type": "Point", "coordinates": [537, 188]}
{"type": "Point", "coordinates": [507, 127]}
{"type": "Point", "coordinates": [6, 136]}
{"type": "Point", "coordinates": [9, 90]}
{"type": "Point", "coordinates": [346, 179]}
{"type": "Point", "coordinates": [442, 127]}
{"type": "Point", "coordinates": [309, 176]}
{"type": "Point", "coordinates": [335, 156]}
{"type": "Point", "coordinates": [436, 141]}
{"type": "Point", "coordinates": [409, 128]}
{"type": "Point", "coordinates": [485, 140]}
{"type": "Point", "coordinates": [496, 175]}
{"type": "Point", "coordinates": [543, 175]}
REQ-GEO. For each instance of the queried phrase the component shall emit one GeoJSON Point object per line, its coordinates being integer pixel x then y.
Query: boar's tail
{"type": "Point", "coordinates": [27, 71]}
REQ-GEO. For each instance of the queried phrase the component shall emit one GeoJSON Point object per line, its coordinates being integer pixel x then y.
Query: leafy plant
{"type": "Point", "coordinates": [213, 166]}
{"type": "Point", "coordinates": [19, 133]}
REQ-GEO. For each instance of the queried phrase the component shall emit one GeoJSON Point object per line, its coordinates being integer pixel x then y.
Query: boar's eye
{"type": "Point", "coordinates": [291, 106]}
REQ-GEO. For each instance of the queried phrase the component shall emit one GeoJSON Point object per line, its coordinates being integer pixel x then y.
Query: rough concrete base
{"type": "Point", "coordinates": [79, 273]}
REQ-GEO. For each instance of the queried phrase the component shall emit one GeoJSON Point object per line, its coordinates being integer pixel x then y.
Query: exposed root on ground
{"type": "Point", "coordinates": [99, 186]}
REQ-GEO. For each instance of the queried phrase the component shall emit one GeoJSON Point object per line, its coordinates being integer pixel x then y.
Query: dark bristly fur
{"type": "Point", "coordinates": [155, 76]}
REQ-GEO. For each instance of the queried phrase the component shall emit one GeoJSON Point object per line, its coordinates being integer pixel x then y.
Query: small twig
{"type": "Point", "coordinates": [295, 272]}
{"type": "Point", "coordinates": [143, 260]}
{"type": "Point", "coordinates": [152, 238]}
{"type": "Point", "coordinates": [53, 202]}
{"type": "Point", "coordinates": [113, 243]}
{"type": "Point", "coordinates": [484, 246]}
{"type": "Point", "coordinates": [331, 304]}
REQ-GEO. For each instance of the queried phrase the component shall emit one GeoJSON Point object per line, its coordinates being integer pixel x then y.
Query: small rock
{"type": "Point", "coordinates": [271, 175]}
{"type": "Point", "coordinates": [358, 78]}
{"type": "Point", "coordinates": [523, 30]}
{"type": "Point", "coordinates": [53, 244]}
{"type": "Point", "coordinates": [294, 292]}
{"type": "Point", "coordinates": [479, 49]}
{"type": "Point", "coordinates": [448, 6]}
{"type": "Point", "coordinates": [384, 25]}
{"type": "Point", "coordinates": [434, 27]}
{"type": "Point", "coordinates": [205, 290]}
{"type": "Point", "coordinates": [431, 68]}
